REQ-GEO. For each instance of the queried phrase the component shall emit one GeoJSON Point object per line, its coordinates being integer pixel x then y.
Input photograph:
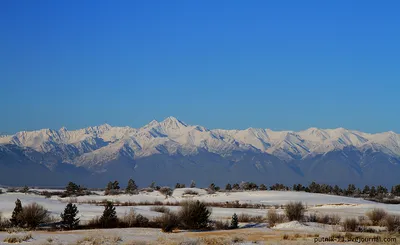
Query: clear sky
{"type": "Point", "coordinates": [220, 64]}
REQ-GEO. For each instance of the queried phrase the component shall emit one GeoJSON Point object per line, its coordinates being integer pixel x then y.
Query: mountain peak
{"type": "Point", "coordinates": [174, 122]}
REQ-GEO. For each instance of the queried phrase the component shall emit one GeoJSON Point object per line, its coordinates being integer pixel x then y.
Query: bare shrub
{"type": "Point", "coordinates": [160, 209]}
{"type": "Point", "coordinates": [166, 191]}
{"type": "Point", "coordinates": [141, 221]}
{"type": "Point", "coordinates": [274, 218]}
{"type": "Point", "coordinates": [350, 224]}
{"type": "Point", "coordinates": [364, 221]}
{"type": "Point", "coordinates": [376, 215]}
{"type": "Point", "coordinates": [246, 218]}
{"type": "Point", "coordinates": [312, 217]}
{"type": "Point", "coordinates": [129, 219]}
{"type": "Point", "coordinates": [194, 215]}
{"type": "Point", "coordinates": [221, 225]}
{"type": "Point", "coordinates": [294, 211]}
{"type": "Point", "coordinates": [169, 222]}
{"type": "Point", "coordinates": [334, 219]}
{"type": "Point", "coordinates": [33, 215]}
{"type": "Point", "coordinates": [18, 238]}
{"type": "Point", "coordinates": [392, 223]}
{"type": "Point", "coordinates": [329, 219]}
{"type": "Point", "coordinates": [190, 192]}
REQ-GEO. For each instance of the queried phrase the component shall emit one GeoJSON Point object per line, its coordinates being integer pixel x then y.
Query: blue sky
{"type": "Point", "coordinates": [220, 64]}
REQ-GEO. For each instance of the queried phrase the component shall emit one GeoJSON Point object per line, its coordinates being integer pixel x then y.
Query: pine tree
{"type": "Point", "coordinates": [115, 185]}
{"type": "Point", "coordinates": [366, 189]}
{"type": "Point", "coordinates": [72, 189]}
{"type": "Point", "coordinates": [336, 190]}
{"type": "Point", "coordinates": [109, 217]}
{"type": "Point", "coordinates": [234, 222]}
{"type": "Point", "coordinates": [263, 187]}
{"type": "Point", "coordinates": [15, 218]}
{"type": "Point", "coordinates": [372, 192]}
{"type": "Point", "coordinates": [69, 216]}
{"type": "Point", "coordinates": [236, 186]}
{"type": "Point", "coordinates": [192, 184]}
{"type": "Point", "coordinates": [25, 189]}
{"type": "Point", "coordinates": [228, 187]}
{"type": "Point", "coordinates": [131, 187]}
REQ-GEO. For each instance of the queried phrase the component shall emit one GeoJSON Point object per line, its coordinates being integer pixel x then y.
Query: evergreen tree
{"type": "Point", "coordinates": [234, 222]}
{"type": "Point", "coordinates": [166, 191]}
{"type": "Point", "coordinates": [211, 187]}
{"type": "Point", "coordinates": [366, 190]}
{"type": "Point", "coordinates": [336, 190]}
{"type": "Point", "coordinates": [350, 190]}
{"type": "Point", "coordinates": [131, 187]}
{"type": "Point", "coordinates": [228, 187]}
{"type": "Point", "coordinates": [178, 185]}
{"type": "Point", "coordinates": [236, 186]}
{"type": "Point", "coordinates": [25, 189]}
{"type": "Point", "coordinates": [69, 216]}
{"type": "Point", "coordinates": [153, 185]}
{"type": "Point", "coordinates": [15, 217]}
{"type": "Point", "coordinates": [396, 190]}
{"type": "Point", "coordinates": [112, 188]}
{"type": "Point", "coordinates": [263, 187]}
{"type": "Point", "coordinates": [192, 184]}
{"type": "Point", "coordinates": [109, 218]}
{"type": "Point", "coordinates": [115, 185]}
{"type": "Point", "coordinates": [72, 189]}
{"type": "Point", "coordinates": [372, 192]}
{"type": "Point", "coordinates": [194, 215]}
{"type": "Point", "coordinates": [109, 186]}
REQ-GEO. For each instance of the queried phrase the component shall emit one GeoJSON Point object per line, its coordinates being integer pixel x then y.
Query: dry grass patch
{"type": "Point", "coordinates": [99, 240]}
{"type": "Point", "coordinates": [18, 238]}
{"type": "Point", "coordinates": [246, 218]}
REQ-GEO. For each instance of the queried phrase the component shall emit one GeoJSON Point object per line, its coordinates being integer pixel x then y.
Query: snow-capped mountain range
{"type": "Point", "coordinates": [94, 148]}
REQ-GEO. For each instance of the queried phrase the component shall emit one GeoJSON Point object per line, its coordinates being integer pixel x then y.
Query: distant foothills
{"type": "Point", "coordinates": [172, 151]}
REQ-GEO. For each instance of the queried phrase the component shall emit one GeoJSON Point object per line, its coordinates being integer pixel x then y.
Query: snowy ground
{"type": "Point", "coordinates": [316, 203]}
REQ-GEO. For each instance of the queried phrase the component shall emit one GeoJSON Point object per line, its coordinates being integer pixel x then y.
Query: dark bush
{"type": "Point", "coordinates": [221, 225]}
{"type": "Point", "coordinates": [194, 215]}
{"type": "Point", "coordinates": [234, 222]}
{"type": "Point", "coordinates": [33, 215]}
{"type": "Point", "coordinates": [166, 191]}
{"type": "Point", "coordinates": [169, 222]}
{"type": "Point", "coordinates": [109, 218]}
{"type": "Point", "coordinates": [350, 224]}
{"type": "Point", "coordinates": [294, 211]}
{"type": "Point", "coordinates": [69, 216]}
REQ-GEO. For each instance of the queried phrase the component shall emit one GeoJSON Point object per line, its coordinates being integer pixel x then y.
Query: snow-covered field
{"type": "Point", "coordinates": [316, 203]}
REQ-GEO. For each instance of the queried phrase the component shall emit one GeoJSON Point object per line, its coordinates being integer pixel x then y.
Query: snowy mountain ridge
{"type": "Point", "coordinates": [94, 145]}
